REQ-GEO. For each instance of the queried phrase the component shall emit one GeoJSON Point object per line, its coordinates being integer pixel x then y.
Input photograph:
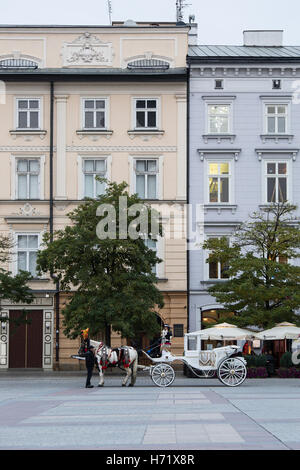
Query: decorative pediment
{"type": "Point", "coordinates": [26, 214]}
{"type": "Point", "coordinates": [87, 50]}
{"type": "Point", "coordinates": [28, 210]}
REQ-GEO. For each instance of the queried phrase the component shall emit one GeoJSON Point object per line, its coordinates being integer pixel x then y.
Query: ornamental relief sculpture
{"type": "Point", "coordinates": [87, 49]}
{"type": "Point", "coordinates": [28, 210]}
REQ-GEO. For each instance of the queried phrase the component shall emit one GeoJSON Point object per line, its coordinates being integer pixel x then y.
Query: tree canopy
{"type": "Point", "coordinates": [13, 288]}
{"type": "Point", "coordinates": [263, 285]}
{"type": "Point", "coordinates": [111, 278]}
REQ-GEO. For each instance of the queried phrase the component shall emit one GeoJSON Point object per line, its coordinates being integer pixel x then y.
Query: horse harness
{"type": "Point", "coordinates": [122, 353]}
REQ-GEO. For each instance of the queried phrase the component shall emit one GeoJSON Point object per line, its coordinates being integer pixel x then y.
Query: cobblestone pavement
{"type": "Point", "coordinates": [55, 411]}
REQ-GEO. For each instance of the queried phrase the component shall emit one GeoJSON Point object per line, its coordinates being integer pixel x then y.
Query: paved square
{"type": "Point", "coordinates": [55, 411]}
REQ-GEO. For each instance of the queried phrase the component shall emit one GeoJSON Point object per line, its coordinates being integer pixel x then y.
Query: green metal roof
{"type": "Point", "coordinates": [97, 74]}
{"type": "Point", "coordinates": [256, 53]}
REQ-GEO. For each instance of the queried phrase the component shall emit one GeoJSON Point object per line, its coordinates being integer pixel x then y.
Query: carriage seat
{"type": "Point", "coordinates": [207, 358]}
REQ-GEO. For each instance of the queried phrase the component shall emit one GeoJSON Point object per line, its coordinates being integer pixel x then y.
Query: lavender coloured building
{"type": "Point", "coordinates": [244, 141]}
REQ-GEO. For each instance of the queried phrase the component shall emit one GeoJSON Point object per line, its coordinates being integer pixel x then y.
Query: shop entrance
{"type": "Point", "coordinates": [26, 339]}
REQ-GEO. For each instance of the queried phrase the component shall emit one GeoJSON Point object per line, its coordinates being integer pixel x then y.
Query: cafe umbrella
{"type": "Point", "coordinates": [284, 330]}
{"type": "Point", "coordinates": [224, 332]}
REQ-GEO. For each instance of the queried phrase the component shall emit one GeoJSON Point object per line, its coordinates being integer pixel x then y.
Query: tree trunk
{"type": "Point", "coordinates": [107, 335]}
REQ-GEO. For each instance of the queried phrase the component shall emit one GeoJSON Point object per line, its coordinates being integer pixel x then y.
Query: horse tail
{"type": "Point", "coordinates": [134, 368]}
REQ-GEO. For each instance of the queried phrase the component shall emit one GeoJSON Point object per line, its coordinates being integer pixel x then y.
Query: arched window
{"type": "Point", "coordinates": [18, 64]}
{"type": "Point", "coordinates": [213, 316]}
{"type": "Point", "coordinates": [156, 64]}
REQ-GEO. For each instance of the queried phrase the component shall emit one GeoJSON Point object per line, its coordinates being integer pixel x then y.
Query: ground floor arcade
{"type": "Point", "coordinates": [34, 339]}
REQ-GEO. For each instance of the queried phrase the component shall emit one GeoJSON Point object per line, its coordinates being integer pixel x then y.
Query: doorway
{"type": "Point", "coordinates": [26, 339]}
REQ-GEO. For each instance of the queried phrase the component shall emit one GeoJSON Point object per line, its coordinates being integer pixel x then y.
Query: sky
{"type": "Point", "coordinates": [219, 21]}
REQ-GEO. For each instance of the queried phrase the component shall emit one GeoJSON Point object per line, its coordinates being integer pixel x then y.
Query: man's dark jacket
{"type": "Point", "coordinates": [89, 359]}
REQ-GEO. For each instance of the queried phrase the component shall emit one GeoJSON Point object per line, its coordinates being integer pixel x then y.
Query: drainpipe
{"type": "Point", "coordinates": [188, 192]}
{"type": "Point", "coordinates": [51, 157]}
{"type": "Point", "coordinates": [51, 202]}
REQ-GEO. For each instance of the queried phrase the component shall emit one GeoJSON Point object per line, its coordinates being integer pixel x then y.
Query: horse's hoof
{"type": "Point", "coordinates": [123, 385]}
{"type": "Point", "coordinates": [130, 385]}
{"type": "Point", "coordinates": [100, 385]}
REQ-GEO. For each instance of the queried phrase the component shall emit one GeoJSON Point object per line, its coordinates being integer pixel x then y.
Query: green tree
{"type": "Point", "coordinates": [111, 278]}
{"type": "Point", "coordinates": [13, 288]}
{"type": "Point", "coordinates": [263, 285]}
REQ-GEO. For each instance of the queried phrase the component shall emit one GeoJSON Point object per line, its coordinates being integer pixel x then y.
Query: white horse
{"type": "Point", "coordinates": [126, 358]}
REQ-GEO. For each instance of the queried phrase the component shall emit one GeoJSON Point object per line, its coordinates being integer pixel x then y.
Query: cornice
{"type": "Point", "coordinates": [77, 148]}
{"type": "Point", "coordinates": [292, 153]}
{"type": "Point", "coordinates": [244, 71]}
{"type": "Point", "coordinates": [204, 152]}
{"type": "Point", "coordinates": [25, 148]}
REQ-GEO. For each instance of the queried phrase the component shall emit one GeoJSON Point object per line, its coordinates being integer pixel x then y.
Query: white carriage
{"type": "Point", "coordinates": [225, 362]}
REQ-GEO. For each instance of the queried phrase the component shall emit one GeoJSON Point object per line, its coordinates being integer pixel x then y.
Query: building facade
{"type": "Point", "coordinates": [77, 102]}
{"type": "Point", "coordinates": [244, 146]}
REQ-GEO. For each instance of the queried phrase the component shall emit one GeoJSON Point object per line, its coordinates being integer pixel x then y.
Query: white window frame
{"type": "Point", "coordinates": [219, 102]}
{"type": "Point", "coordinates": [135, 109]}
{"type": "Point", "coordinates": [16, 234]}
{"type": "Point", "coordinates": [146, 176]}
{"type": "Point", "coordinates": [81, 174]}
{"type": "Point", "coordinates": [159, 178]}
{"type": "Point", "coordinates": [155, 270]}
{"type": "Point", "coordinates": [14, 176]}
{"type": "Point", "coordinates": [276, 104]}
{"type": "Point", "coordinates": [206, 255]}
{"type": "Point", "coordinates": [265, 177]}
{"type": "Point", "coordinates": [219, 160]}
{"type": "Point", "coordinates": [40, 113]}
{"type": "Point", "coordinates": [106, 111]}
{"type": "Point", "coordinates": [160, 253]}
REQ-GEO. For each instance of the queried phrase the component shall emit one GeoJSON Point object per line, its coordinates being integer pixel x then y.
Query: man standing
{"type": "Point", "coordinates": [166, 337]}
{"type": "Point", "coordinates": [89, 362]}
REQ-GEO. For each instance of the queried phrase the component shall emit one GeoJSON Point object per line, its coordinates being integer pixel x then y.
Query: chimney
{"type": "Point", "coordinates": [193, 34]}
{"type": "Point", "coordinates": [263, 38]}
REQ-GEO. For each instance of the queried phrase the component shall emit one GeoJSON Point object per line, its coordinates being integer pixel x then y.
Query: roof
{"type": "Point", "coordinates": [114, 25]}
{"type": "Point", "coordinates": [96, 74]}
{"type": "Point", "coordinates": [240, 53]}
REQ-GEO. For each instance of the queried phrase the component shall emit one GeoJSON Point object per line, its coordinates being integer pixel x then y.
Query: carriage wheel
{"type": "Point", "coordinates": [163, 375]}
{"type": "Point", "coordinates": [232, 372]}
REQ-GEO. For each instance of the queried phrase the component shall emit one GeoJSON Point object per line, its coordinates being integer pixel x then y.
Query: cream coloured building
{"type": "Point", "coordinates": [76, 102]}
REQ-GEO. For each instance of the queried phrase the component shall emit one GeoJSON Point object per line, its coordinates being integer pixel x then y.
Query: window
{"type": "Point", "coordinates": [148, 64]}
{"type": "Point", "coordinates": [28, 173]}
{"type": "Point", "coordinates": [178, 330]}
{"type": "Point", "coordinates": [277, 181]}
{"type": "Point", "coordinates": [276, 119]}
{"type": "Point", "coordinates": [28, 113]}
{"type": "Point", "coordinates": [219, 181]}
{"type": "Point", "coordinates": [276, 84]}
{"type": "Point", "coordinates": [218, 118]}
{"type": "Point", "coordinates": [94, 111]}
{"type": "Point", "coordinates": [219, 84]}
{"type": "Point", "coordinates": [91, 169]}
{"type": "Point", "coordinates": [146, 113]}
{"type": "Point", "coordinates": [146, 178]}
{"type": "Point", "coordinates": [152, 245]}
{"type": "Point", "coordinates": [27, 248]}
{"type": "Point", "coordinates": [217, 270]}
{"type": "Point", "coordinates": [18, 64]}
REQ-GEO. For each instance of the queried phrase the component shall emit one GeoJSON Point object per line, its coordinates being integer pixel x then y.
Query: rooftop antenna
{"type": "Point", "coordinates": [180, 5]}
{"type": "Point", "coordinates": [109, 6]}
